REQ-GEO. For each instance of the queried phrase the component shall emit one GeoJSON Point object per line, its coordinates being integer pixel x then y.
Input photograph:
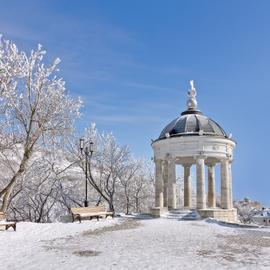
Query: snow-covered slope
{"type": "Point", "coordinates": [125, 243]}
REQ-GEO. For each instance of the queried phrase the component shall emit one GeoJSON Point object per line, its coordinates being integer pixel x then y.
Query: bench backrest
{"type": "Point", "coordinates": [2, 216]}
{"type": "Point", "coordinates": [83, 210]}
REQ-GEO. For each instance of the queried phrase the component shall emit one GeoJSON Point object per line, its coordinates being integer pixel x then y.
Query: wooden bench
{"type": "Point", "coordinates": [89, 212]}
{"type": "Point", "coordinates": [6, 224]}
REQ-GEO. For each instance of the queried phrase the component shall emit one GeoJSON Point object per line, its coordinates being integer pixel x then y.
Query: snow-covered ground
{"type": "Point", "coordinates": [125, 243]}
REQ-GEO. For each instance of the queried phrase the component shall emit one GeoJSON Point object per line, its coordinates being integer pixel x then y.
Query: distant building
{"type": "Point", "coordinates": [262, 217]}
{"type": "Point", "coordinates": [250, 203]}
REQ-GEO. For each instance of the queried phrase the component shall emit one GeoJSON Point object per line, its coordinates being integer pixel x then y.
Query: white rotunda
{"type": "Point", "coordinates": [194, 139]}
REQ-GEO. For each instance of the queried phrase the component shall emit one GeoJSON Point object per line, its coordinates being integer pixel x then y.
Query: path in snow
{"type": "Point", "coordinates": [134, 244]}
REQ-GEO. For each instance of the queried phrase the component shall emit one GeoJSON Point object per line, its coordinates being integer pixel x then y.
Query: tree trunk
{"type": "Point", "coordinates": [137, 204]}
{"type": "Point", "coordinates": [98, 201]}
{"type": "Point", "coordinates": [111, 206]}
{"type": "Point", "coordinates": [6, 197]}
{"type": "Point", "coordinates": [127, 206]}
{"type": "Point", "coordinates": [6, 192]}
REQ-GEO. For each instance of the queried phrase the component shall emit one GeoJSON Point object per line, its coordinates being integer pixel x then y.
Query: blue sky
{"type": "Point", "coordinates": [131, 61]}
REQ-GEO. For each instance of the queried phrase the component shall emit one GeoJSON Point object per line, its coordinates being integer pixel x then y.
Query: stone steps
{"type": "Point", "coordinates": [181, 214]}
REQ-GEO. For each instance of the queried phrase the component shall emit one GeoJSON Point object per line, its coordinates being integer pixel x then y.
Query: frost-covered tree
{"type": "Point", "coordinates": [127, 180]}
{"type": "Point", "coordinates": [34, 199]}
{"type": "Point", "coordinates": [138, 186]}
{"type": "Point", "coordinates": [118, 179]}
{"type": "Point", "coordinates": [35, 110]}
{"type": "Point", "coordinates": [108, 163]}
{"type": "Point", "coordinates": [47, 189]}
{"type": "Point", "coordinates": [144, 187]}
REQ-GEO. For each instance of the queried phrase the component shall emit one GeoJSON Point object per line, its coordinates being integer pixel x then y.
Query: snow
{"type": "Point", "coordinates": [126, 243]}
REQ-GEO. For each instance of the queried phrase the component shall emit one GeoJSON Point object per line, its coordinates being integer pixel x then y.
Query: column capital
{"type": "Point", "coordinates": [200, 159]}
{"type": "Point", "coordinates": [164, 161]}
{"type": "Point", "coordinates": [210, 164]}
{"type": "Point", "coordinates": [157, 160]}
{"type": "Point", "coordinates": [200, 155]}
{"type": "Point", "coordinates": [187, 165]}
{"type": "Point", "coordinates": [171, 161]}
{"type": "Point", "coordinates": [228, 158]}
{"type": "Point", "coordinates": [224, 159]}
{"type": "Point", "coordinates": [169, 157]}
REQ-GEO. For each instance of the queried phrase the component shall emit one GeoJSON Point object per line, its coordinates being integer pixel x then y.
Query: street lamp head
{"type": "Point", "coordinates": [81, 144]}
{"type": "Point", "coordinates": [91, 146]}
{"type": "Point", "coordinates": [86, 151]}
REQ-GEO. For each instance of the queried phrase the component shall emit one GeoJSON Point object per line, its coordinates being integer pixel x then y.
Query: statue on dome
{"type": "Point", "coordinates": [192, 90]}
{"type": "Point", "coordinates": [192, 102]}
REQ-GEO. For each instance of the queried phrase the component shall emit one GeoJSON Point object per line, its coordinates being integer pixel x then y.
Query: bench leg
{"type": "Point", "coordinates": [11, 226]}
{"type": "Point", "coordinates": [76, 217]}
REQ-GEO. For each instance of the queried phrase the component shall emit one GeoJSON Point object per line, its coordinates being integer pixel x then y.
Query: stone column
{"type": "Point", "coordinates": [201, 202]}
{"type": "Point", "coordinates": [158, 184]}
{"type": "Point", "coordinates": [230, 185]}
{"type": "Point", "coordinates": [225, 188]}
{"type": "Point", "coordinates": [171, 184]}
{"type": "Point", "coordinates": [187, 186]}
{"type": "Point", "coordinates": [165, 183]}
{"type": "Point", "coordinates": [211, 186]}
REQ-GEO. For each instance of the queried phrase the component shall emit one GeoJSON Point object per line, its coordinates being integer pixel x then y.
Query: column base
{"type": "Point", "coordinates": [171, 208]}
{"type": "Point", "coordinates": [157, 211]}
{"type": "Point", "coordinates": [228, 215]}
{"type": "Point", "coordinates": [188, 207]}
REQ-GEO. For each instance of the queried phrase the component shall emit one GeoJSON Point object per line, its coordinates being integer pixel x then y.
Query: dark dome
{"type": "Point", "coordinates": [192, 123]}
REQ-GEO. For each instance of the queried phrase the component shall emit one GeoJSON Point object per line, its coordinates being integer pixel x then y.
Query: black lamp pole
{"type": "Point", "coordinates": [86, 152]}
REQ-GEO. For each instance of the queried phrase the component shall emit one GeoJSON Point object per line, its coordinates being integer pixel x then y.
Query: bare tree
{"type": "Point", "coordinates": [35, 110]}
{"type": "Point", "coordinates": [40, 198]}
{"type": "Point", "coordinates": [32, 200]}
{"type": "Point", "coordinates": [127, 180]}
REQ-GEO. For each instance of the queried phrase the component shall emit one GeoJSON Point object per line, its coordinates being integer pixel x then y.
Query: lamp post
{"type": "Point", "coordinates": [86, 153]}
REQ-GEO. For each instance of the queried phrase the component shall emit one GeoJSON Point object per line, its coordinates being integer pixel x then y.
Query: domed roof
{"type": "Point", "coordinates": [192, 122]}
